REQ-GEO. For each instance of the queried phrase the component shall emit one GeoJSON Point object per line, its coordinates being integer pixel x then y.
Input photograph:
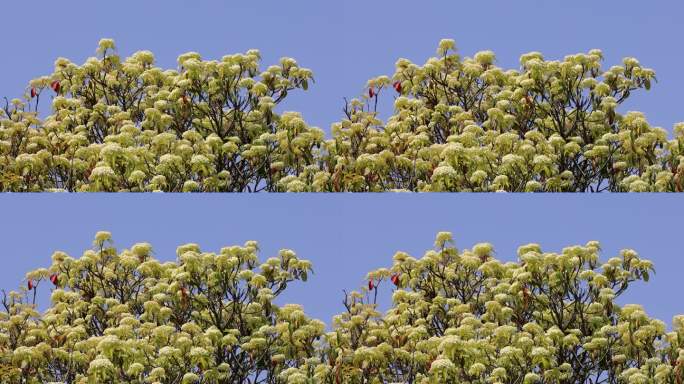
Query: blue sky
{"type": "Point", "coordinates": [347, 42]}
{"type": "Point", "coordinates": [347, 235]}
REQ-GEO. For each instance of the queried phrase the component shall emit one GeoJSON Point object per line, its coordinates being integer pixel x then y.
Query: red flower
{"type": "Point", "coordinates": [34, 93]}
{"type": "Point", "coordinates": [395, 279]}
{"type": "Point", "coordinates": [370, 285]}
{"type": "Point", "coordinates": [30, 285]}
{"type": "Point", "coordinates": [397, 86]}
{"type": "Point", "coordinates": [53, 279]}
{"type": "Point", "coordinates": [56, 86]}
{"type": "Point", "coordinates": [371, 92]}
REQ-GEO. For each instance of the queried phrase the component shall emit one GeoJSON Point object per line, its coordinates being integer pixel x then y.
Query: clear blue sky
{"type": "Point", "coordinates": [347, 235]}
{"type": "Point", "coordinates": [347, 42]}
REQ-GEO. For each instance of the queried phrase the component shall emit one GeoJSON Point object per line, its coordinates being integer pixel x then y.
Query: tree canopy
{"type": "Point", "coordinates": [459, 124]}
{"type": "Point", "coordinates": [456, 316]}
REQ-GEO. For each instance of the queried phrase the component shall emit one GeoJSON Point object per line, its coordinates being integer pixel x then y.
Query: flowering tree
{"type": "Point", "coordinates": [468, 125]}
{"type": "Point", "coordinates": [456, 316]}
{"type": "Point", "coordinates": [124, 317]}
{"type": "Point", "coordinates": [465, 317]}
{"type": "Point", "coordinates": [458, 125]}
{"type": "Point", "coordinates": [128, 125]}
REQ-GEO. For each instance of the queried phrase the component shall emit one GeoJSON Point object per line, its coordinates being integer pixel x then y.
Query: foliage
{"type": "Point", "coordinates": [465, 317]}
{"type": "Point", "coordinates": [128, 318]}
{"type": "Point", "coordinates": [458, 125]}
{"type": "Point", "coordinates": [468, 125]}
{"type": "Point", "coordinates": [128, 125]}
{"type": "Point", "coordinates": [456, 316]}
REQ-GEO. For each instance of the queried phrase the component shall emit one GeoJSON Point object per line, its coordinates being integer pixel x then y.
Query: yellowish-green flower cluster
{"type": "Point", "coordinates": [457, 317]}
{"type": "Point", "coordinates": [459, 124]}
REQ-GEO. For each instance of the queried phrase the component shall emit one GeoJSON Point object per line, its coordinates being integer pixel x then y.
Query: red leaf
{"type": "Point", "coordinates": [56, 86]}
{"type": "Point", "coordinates": [53, 279]}
{"type": "Point", "coordinates": [30, 285]}
{"type": "Point", "coordinates": [397, 86]}
{"type": "Point", "coordinates": [371, 92]}
{"type": "Point", "coordinates": [395, 279]}
{"type": "Point", "coordinates": [34, 93]}
{"type": "Point", "coordinates": [370, 285]}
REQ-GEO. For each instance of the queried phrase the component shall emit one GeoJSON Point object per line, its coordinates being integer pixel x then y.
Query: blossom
{"type": "Point", "coordinates": [102, 236]}
{"type": "Point", "coordinates": [485, 57]}
{"type": "Point", "coordinates": [100, 366]}
{"type": "Point", "coordinates": [441, 365]}
{"type": "Point", "coordinates": [446, 45]}
{"type": "Point", "coordinates": [102, 172]}
{"type": "Point", "coordinates": [105, 44]}
{"type": "Point", "coordinates": [190, 378]}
